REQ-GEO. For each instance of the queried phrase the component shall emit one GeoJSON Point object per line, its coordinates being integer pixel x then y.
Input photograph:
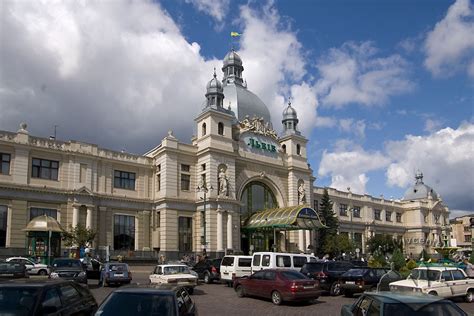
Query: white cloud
{"type": "Point", "coordinates": [354, 127]}
{"type": "Point", "coordinates": [353, 74]}
{"type": "Point", "coordinates": [444, 157]}
{"type": "Point", "coordinates": [449, 47]}
{"type": "Point", "coordinates": [215, 8]}
{"type": "Point", "coordinates": [431, 125]}
{"type": "Point", "coordinates": [349, 167]}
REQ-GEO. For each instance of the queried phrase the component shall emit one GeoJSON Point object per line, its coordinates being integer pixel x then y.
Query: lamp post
{"type": "Point", "coordinates": [204, 189]}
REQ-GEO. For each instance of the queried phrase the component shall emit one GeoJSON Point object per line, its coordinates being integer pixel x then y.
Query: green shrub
{"type": "Point", "coordinates": [398, 259]}
{"type": "Point", "coordinates": [411, 264]}
{"type": "Point", "coordinates": [404, 272]}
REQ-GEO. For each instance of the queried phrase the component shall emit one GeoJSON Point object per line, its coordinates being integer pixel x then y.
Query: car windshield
{"type": "Point", "coordinates": [355, 272]}
{"type": "Point", "coordinates": [67, 263]}
{"type": "Point", "coordinates": [422, 274]}
{"type": "Point", "coordinates": [437, 308]}
{"type": "Point", "coordinates": [117, 267]}
{"type": "Point", "coordinates": [176, 270]}
{"type": "Point", "coordinates": [17, 301]}
{"type": "Point", "coordinates": [314, 267]}
{"type": "Point", "coordinates": [138, 304]}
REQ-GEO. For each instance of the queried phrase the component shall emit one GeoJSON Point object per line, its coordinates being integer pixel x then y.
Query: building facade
{"type": "Point", "coordinates": [461, 233]}
{"type": "Point", "coordinates": [181, 198]}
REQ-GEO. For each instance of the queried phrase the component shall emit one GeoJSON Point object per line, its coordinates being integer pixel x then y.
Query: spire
{"type": "Point", "coordinates": [232, 68]}
{"type": "Point", "coordinates": [214, 92]}
{"type": "Point", "coordinates": [290, 120]}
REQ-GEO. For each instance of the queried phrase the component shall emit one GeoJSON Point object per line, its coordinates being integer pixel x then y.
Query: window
{"type": "Point", "coordinates": [256, 196]}
{"type": "Point", "coordinates": [185, 233]}
{"type": "Point", "coordinates": [458, 275]}
{"type": "Point", "coordinates": [446, 275]}
{"type": "Point", "coordinates": [220, 128]}
{"type": "Point", "coordinates": [298, 261]}
{"type": "Point", "coordinates": [467, 229]}
{"type": "Point", "coordinates": [158, 182]}
{"type": "Point", "coordinates": [203, 179]}
{"type": "Point", "coordinates": [266, 260]}
{"type": "Point", "coordinates": [283, 147]}
{"type": "Point", "coordinates": [5, 163]}
{"type": "Point", "coordinates": [467, 238]}
{"type": "Point", "coordinates": [124, 232]}
{"type": "Point", "coordinates": [44, 169]}
{"type": "Point", "coordinates": [203, 167]}
{"type": "Point", "coordinates": [377, 214]}
{"type": "Point", "coordinates": [245, 262]}
{"type": "Point", "coordinates": [185, 168]}
{"type": "Point", "coordinates": [298, 149]}
{"type": "Point", "coordinates": [269, 275]}
{"type": "Point", "coordinates": [399, 217]}
{"type": "Point", "coordinates": [124, 180]}
{"type": "Point", "coordinates": [283, 261]}
{"type": "Point", "coordinates": [388, 216]}
{"type": "Point", "coordinates": [258, 275]}
{"type": "Point", "coordinates": [343, 209]}
{"type": "Point", "coordinates": [204, 129]}
{"type": "Point", "coordinates": [51, 300]}
{"type": "Point", "coordinates": [68, 293]}
{"type": "Point", "coordinates": [35, 211]}
{"type": "Point", "coordinates": [158, 168]}
{"type": "Point", "coordinates": [256, 260]}
{"type": "Point", "coordinates": [82, 173]}
{"type": "Point", "coordinates": [356, 211]}
{"type": "Point", "coordinates": [436, 217]}
{"type": "Point", "coordinates": [358, 239]}
{"type": "Point", "coordinates": [185, 182]}
{"type": "Point", "coordinates": [3, 225]}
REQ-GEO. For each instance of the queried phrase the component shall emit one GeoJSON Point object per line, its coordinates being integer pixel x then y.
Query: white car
{"type": "Point", "coordinates": [445, 282]}
{"type": "Point", "coordinates": [31, 266]}
{"type": "Point", "coordinates": [178, 274]}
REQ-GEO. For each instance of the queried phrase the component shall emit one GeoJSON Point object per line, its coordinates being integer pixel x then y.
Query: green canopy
{"type": "Point", "coordinates": [285, 218]}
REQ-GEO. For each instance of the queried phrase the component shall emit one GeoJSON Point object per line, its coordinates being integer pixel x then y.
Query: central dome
{"type": "Point", "coordinates": [241, 101]}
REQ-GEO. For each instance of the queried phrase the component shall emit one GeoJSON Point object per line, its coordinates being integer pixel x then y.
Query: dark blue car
{"type": "Point", "coordinates": [115, 272]}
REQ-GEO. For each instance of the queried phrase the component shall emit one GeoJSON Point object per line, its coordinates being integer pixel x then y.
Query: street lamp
{"type": "Point", "coordinates": [204, 189]}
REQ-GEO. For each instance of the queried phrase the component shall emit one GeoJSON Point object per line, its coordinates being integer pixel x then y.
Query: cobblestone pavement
{"type": "Point", "coordinates": [217, 299]}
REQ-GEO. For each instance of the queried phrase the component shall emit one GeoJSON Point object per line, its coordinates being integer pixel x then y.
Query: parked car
{"type": "Point", "coordinates": [395, 304]}
{"type": "Point", "coordinates": [31, 266]}
{"type": "Point", "coordinates": [233, 267]}
{"type": "Point", "coordinates": [13, 270]}
{"type": "Point", "coordinates": [446, 282]}
{"type": "Point", "coordinates": [45, 297]}
{"type": "Point", "coordinates": [116, 272]}
{"type": "Point", "coordinates": [68, 269]}
{"type": "Point", "coordinates": [148, 300]}
{"type": "Point", "coordinates": [279, 285]}
{"type": "Point", "coordinates": [274, 260]}
{"type": "Point", "coordinates": [327, 273]}
{"type": "Point", "coordinates": [359, 280]}
{"type": "Point", "coordinates": [175, 274]}
{"type": "Point", "coordinates": [208, 270]}
{"type": "Point", "coordinates": [93, 267]}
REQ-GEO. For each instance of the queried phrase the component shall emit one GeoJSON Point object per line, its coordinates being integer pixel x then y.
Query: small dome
{"type": "Point", "coordinates": [420, 190]}
{"type": "Point", "coordinates": [214, 85]}
{"type": "Point", "coordinates": [232, 59]}
{"type": "Point", "coordinates": [289, 112]}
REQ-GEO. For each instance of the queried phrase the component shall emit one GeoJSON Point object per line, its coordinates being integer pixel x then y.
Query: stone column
{"type": "Point", "coordinates": [75, 215]}
{"type": "Point", "coordinates": [229, 231]}
{"type": "Point", "coordinates": [89, 217]}
{"type": "Point", "coordinates": [220, 237]}
{"type": "Point", "coordinates": [308, 238]}
{"type": "Point", "coordinates": [301, 240]}
{"type": "Point", "coordinates": [9, 226]}
{"type": "Point", "coordinates": [137, 232]}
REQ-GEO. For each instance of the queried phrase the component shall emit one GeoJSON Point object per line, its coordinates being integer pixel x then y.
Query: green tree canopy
{"type": "Point", "coordinates": [383, 244]}
{"type": "Point", "coordinates": [78, 236]}
{"type": "Point", "coordinates": [328, 218]}
{"type": "Point", "coordinates": [337, 244]}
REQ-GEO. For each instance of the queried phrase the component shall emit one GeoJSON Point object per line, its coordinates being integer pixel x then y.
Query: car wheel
{"type": "Point", "coordinates": [276, 298]}
{"type": "Point", "coordinates": [335, 289]}
{"type": "Point", "coordinates": [469, 296]}
{"type": "Point", "coordinates": [433, 293]}
{"type": "Point", "coordinates": [43, 272]}
{"type": "Point", "coordinates": [348, 293]}
{"type": "Point", "coordinates": [240, 291]}
{"type": "Point", "coordinates": [207, 279]}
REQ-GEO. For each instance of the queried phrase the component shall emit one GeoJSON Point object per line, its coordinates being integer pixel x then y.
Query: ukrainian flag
{"type": "Point", "coordinates": [235, 34]}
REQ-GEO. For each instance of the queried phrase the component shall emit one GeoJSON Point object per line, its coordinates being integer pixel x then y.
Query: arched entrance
{"type": "Point", "coordinates": [256, 196]}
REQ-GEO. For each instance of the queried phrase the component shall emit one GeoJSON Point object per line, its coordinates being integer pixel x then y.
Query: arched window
{"type": "Point", "coordinates": [220, 128]}
{"type": "Point", "coordinates": [256, 197]}
{"type": "Point", "coordinates": [283, 147]}
{"type": "Point", "coordinates": [204, 129]}
{"type": "Point", "coordinates": [298, 149]}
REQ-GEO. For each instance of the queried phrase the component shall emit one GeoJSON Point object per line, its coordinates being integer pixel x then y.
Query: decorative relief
{"type": "Point", "coordinates": [223, 182]}
{"type": "Point", "coordinates": [258, 126]}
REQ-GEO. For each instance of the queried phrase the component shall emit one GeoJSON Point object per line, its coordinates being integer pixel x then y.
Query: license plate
{"type": "Point", "coordinates": [307, 287]}
{"type": "Point", "coordinates": [118, 274]}
{"type": "Point", "coordinates": [350, 282]}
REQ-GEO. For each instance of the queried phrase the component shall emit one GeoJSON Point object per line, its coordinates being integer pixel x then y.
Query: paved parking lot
{"type": "Point", "coordinates": [217, 299]}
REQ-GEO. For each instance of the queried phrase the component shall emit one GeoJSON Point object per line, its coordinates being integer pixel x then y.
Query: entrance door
{"type": "Point", "coordinates": [245, 244]}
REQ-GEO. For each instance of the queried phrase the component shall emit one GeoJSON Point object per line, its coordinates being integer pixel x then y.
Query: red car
{"type": "Point", "coordinates": [279, 285]}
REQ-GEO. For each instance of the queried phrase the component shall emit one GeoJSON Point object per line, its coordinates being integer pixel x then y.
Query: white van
{"type": "Point", "coordinates": [235, 267]}
{"type": "Point", "coordinates": [275, 260]}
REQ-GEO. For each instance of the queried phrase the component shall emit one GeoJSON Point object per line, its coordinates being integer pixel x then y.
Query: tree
{"type": "Point", "coordinates": [328, 218]}
{"type": "Point", "coordinates": [335, 245]}
{"type": "Point", "coordinates": [397, 259]}
{"type": "Point", "coordinates": [78, 236]}
{"type": "Point", "coordinates": [383, 243]}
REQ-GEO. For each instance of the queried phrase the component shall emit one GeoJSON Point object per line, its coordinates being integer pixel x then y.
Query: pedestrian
{"type": "Point", "coordinates": [469, 269]}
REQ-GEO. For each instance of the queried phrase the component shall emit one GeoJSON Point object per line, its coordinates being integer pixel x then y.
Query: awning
{"type": "Point", "coordinates": [43, 223]}
{"type": "Point", "coordinates": [286, 218]}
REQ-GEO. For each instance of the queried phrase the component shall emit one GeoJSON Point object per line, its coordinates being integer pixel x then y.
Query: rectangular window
{"type": "Point", "coordinates": [82, 173]}
{"type": "Point", "coordinates": [356, 211]}
{"type": "Point", "coordinates": [203, 167]}
{"type": "Point", "coordinates": [283, 261]}
{"type": "Point", "coordinates": [124, 180]}
{"type": "Point", "coordinates": [388, 216]}
{"type": "Point", "coordinates": [467, 228]}
{"type": "Point", "coordinates": [343, 209]}
{"type": "Point", "coordinates": [467, 238]}
{"type": "Point", "coordinates": [158, 168]}
{"type": "Point", "coordinates": [44, 169]}
{"type": "Point", "coordinates": [265, 260]}
{"type": "Point", "coordinates": [316, 205]}
{"type": "Point", "coordinates": [203, 179]}
{"type": "Point", "coordinates": [399, 217]}
{"type": "Point", "coordinates": [358, 240]}
{"type": "Point", "coordinates": [185, 168]}
{"type": "Point", "coordinates": [436, 219]}
{"type": "Point", "coordinates": [377, 214]}
{"type": "Point", "coordinates": [5, 163]}
{"type": "Point", "coordinates": [185, 233]}
{"type": "Point", "coordinates": [36, 211]}
{"type": "Point", "coordinates": [185, 182]}
{"type": "Point", "coordinates": [298, 261]}
{"type": "Point", "coordinates": [256, 260]}
{"type": "Point", "coordinates": [124, 232]}
{"type": "Point", "coordinates": [158, 182]}
{"type": "Point", "coordinates": [3, 225]}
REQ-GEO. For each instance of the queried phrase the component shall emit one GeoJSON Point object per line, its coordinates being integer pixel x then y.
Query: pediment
{"type": "Point", "coordinates": [84, 190]}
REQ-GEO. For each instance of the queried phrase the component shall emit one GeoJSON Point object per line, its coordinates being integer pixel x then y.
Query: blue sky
{"type": "Point", "coordinates": [383, 88]}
